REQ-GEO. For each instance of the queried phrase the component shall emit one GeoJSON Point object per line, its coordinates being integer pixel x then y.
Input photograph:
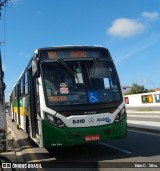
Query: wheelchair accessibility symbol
{"type": "Point", "coordinates": [93, 97]}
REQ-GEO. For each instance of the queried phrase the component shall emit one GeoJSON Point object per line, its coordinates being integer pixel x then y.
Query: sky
{"type": "Point", "coordinates": [130, 29]}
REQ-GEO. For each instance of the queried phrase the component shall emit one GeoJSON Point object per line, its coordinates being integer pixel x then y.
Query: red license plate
{"type": "Point", "coordinates": [92, 138]}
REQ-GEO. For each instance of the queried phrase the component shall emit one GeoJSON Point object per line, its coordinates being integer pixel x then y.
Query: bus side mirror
{"type": "Point", "coordinates": [36, 68]}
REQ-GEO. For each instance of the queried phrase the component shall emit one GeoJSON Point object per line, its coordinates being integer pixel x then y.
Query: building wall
{"type": "Point", "coordinates": [144, 99]}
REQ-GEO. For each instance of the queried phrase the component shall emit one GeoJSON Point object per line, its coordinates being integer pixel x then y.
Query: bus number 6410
{"type": "Point", "coordinates": [78, 121]}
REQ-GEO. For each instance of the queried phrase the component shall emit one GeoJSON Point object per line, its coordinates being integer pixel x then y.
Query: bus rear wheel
{"type": "Point", "coordinates": [28, 129]}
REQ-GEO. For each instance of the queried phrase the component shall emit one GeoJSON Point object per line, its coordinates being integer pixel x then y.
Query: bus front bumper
{"type": "Point", "coordinates": [58, 137]}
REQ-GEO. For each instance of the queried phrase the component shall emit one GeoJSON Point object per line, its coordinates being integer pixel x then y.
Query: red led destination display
{"type": "Point", "coordinates": [57, 54]}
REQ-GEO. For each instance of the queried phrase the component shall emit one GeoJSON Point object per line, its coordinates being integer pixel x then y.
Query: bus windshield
{"type": "Point", "coordinates": [80, 82]}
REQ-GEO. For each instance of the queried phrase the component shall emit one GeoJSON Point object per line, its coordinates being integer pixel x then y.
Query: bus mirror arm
{"type": "Point", "coordinates": [36, 68]}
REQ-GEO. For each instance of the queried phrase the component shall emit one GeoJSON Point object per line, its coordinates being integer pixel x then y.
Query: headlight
{"type": "Point", "coordinates": [54, 120]}
{"type": "Point", "coordinates": [120, 115]}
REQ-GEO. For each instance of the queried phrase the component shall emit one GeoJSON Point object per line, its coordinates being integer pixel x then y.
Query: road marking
{"type": "Point", "coordinates": [43, 160]}
{"type": "Point", "coordinates": [141, 112]}
{"type": "Point", "coordinates": [30, 152]}
{"type": "Point", "coordinates": [143, 116]}
{"type": "Point", "coordinates": [117, 148]}
{"type": "Point", "coordinates": [142, 132]}
{"type": "Point", "coordinates": [147, 123]}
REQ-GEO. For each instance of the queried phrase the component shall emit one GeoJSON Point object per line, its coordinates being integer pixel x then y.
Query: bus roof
{"type": "Point", "coordinates": [58, 52]}
{"type": "Point", "coordinates": [72, 47]}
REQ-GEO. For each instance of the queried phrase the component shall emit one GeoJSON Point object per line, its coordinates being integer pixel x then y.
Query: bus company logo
{"type": "Point", "coordinates": [107, 119]}
{"type": "Point", "coordinates": [91, 120]}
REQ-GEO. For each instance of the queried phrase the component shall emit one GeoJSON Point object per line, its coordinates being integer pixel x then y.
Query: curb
{"type": "Point", "coordinates": [140, 111]}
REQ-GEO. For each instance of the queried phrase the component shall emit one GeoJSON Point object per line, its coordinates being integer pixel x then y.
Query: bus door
{"type": "Point", "coordinates": [18, 105]}
{"type": "Point", "coordinates": [34, 103]}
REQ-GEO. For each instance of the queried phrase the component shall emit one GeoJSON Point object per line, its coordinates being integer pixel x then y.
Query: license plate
{"type": "Point", "coordinates": [92, 138]}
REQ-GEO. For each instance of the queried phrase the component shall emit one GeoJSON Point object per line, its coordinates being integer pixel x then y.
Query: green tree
{"type": "Point", "coordinates": [137, 89]}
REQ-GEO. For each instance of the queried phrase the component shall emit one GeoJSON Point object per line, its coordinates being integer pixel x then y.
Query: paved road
{"type": "Point", "coordinates": [138, 148]}
{"type": "Point", "coordinates": [145, 108]}
{"type": "Point", "coordinates": [148, 120]}
{"type": "Point", "coordinates": [155, 117]}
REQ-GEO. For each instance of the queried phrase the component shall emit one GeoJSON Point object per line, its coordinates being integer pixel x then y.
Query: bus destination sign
{"type": "Point", "coordinates": [52, 54]}
{"type": "Point", "coordinates": [72, 54]}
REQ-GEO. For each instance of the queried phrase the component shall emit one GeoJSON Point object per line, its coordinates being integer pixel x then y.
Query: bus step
{"type": "Point", "coordinates": [36, 140]}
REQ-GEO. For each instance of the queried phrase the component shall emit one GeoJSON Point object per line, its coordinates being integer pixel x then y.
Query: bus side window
{"type": "Point", "coordinates": [26, 83]}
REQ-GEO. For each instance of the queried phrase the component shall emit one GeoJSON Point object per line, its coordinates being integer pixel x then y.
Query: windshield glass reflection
{"type": "Point", "coordinates": [80, 82]}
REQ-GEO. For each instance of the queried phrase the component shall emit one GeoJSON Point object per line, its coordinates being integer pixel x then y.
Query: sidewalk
{"type": "Point", "coordinates": [13, 152]}
{"type": "Point", "coordinates": [145, 125]}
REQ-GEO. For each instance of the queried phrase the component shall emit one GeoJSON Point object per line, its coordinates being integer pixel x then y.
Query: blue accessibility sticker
{"type": "Point", "coordinates": [93, 97]}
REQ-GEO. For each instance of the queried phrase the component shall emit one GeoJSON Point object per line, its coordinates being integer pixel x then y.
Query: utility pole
{"type": "Point", "coordinates": [3, 125]}
{"type": "Point", "coordinates": [2, 84]}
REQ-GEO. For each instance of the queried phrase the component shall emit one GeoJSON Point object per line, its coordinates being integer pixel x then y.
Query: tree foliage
{"type": "Point", "coordinates": [137, 89]}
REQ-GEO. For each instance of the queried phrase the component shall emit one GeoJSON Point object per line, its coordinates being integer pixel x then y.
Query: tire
{"type": "Point", "coordinates": [28, 129]}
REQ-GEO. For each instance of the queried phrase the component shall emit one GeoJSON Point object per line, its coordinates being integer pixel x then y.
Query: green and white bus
{"type": "Point", "coordinates": [69, 95]}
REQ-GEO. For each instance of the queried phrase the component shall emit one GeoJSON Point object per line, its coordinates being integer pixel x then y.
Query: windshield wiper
{"type": "Point", "coordinates": [93, 67]}
{"type": "Point", "coordinates": [91, 72]}
{"type": "Point", "coordinates": [89, 77]}
{"type": "Point", "coordinates": [68, 68]}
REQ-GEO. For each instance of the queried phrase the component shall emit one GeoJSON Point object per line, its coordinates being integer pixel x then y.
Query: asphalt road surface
{"type": "Point", "coordinates": [144, 116]}
{"type": "Point", "coordinates": [139, 150]}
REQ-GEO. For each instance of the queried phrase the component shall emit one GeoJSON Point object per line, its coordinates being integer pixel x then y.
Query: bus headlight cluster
{"type": "Point", "coordinates": [54, 120]}
{"type": "Point", "coordinates": [120, 115]}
